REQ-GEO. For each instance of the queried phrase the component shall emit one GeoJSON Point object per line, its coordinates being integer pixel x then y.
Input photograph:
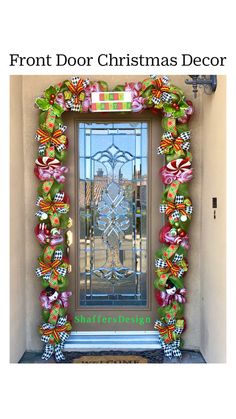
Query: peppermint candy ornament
{"type": "Point", "coordinates": [179, 169]}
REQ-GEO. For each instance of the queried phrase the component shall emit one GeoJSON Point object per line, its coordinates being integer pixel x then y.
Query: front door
{"type": "Point", "coordinates": [116, 192]}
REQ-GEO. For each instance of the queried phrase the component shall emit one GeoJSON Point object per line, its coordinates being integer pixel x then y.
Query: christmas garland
{"type": "Point", "coordinates": [157, 95]}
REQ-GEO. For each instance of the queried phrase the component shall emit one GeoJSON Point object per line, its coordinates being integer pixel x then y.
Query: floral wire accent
{"type": "Point", "coordinates": [154, 94]}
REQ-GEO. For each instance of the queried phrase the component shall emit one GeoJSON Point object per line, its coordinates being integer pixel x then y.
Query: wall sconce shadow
{"type": "Point", "coordinates": [209, 83]}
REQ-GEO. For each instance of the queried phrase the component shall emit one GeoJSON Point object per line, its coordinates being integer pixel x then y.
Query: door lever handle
{"type": "Point", "coordinates": [69, 238]}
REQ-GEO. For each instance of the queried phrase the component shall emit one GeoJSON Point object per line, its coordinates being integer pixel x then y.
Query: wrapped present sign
{"type": "Point", "coordinates": [111, 101]}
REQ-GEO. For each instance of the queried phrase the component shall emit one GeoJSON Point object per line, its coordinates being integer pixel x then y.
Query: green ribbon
{"type": "Point", "coordinates": [54, 313]}
{"type": "Point", "coordinates": [172, 191]}
{"type": "Point", "coordinates": [50, 120]}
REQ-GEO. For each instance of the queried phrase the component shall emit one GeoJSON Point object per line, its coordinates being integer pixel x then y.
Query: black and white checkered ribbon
{"type": "Point", "coordinates": [179, 199]}
{"type": "Point", "coordinates": [58, 254]}
{"type": "Point", "coordinates": [49, 349]}
{"type": "Point", "coordinates": [42, 149]}
{"type": "Point", "coordinates": [165, 98]}
{"type": "Point", "coordinates": [75, 80]}
{"type": "Point", "coordinates": [59, 196]}
{"type": "Point", "coordinates": [161, 264]}
{"type": "Point", "coordinates": [186, 136]}
{"type": "Point", "coordinates": [171, 349]}
{"type": "Point", "coordinates": [177, 258]}
{"type": "Point", "coordinates": [71, 103]}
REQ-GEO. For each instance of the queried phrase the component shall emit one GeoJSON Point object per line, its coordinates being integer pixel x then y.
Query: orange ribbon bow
{"type": "Point", "coordinates": [171, 207]}
{"type": "Point", "coordinates": [173, 268]}
{"type": "Point", "coordinates": [76, 90]}
{"type": "Point", "coordinates": [47, 206]}
{"type": "Point", "coordinates": [46, 137]}
{"type": "Point", "coordinates": [48, 267]}
{"type": "Point", "coordinates": [55, 332]}
{"type": "Point", "coordinates": [161, 87]}
{"type": "Point", "coordinates": [176, 144]}
{"type": "Point", "coordinates": [166, 330]}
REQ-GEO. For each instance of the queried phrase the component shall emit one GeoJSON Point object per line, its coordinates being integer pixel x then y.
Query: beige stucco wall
{"type": "Point", "coordinates": [32, 86]}
{"type": "Point", "coordinates": [213, 231]}
{"type": "Point", "coordinates": [17, 286]}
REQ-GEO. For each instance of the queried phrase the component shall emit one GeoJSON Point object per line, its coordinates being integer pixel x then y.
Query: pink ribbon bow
{"type": "Point", "coordinates": [178, 296]}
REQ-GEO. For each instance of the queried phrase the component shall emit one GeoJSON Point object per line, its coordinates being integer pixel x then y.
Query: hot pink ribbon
{"type": "Point", "coordinates": [138, 102]}
{"type": "Point", "coordinates": [179, 296]}
{"type": "Point", "coordinates": [47, 303]}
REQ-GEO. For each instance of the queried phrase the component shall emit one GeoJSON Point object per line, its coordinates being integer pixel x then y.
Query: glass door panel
{"type": "Point", "coordinates": [112, 210]}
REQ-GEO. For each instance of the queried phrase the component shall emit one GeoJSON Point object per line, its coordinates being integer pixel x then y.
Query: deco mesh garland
{"type": "Point", "coordinates": [154, 94]}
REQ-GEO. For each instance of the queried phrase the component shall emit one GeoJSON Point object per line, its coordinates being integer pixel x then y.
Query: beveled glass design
{"type": "Point", "coordinates": [113, 213]}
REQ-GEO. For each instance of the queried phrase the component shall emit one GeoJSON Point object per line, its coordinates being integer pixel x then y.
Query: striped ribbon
{"type": "Point", "coordinates": [176, 144]}
{"type": "Point", "coordinates": [45, 137]}
{"type": "Point", "coordinates": [54, 332]}
{"type": "Point", "coordinates": [171, 207]}
{"type": "Point", "coordinates": [175, 269]}
{"type": "Point", "coordinates": [161, 87]}
{"type": "Point", "coordinates": [76, 87]}
{"type": "Point", "coordinates": [47, 206]}
{"type": "Point", "coordinates": [50, 267]}
{"type": "Point", "coordinates": [166, 332]}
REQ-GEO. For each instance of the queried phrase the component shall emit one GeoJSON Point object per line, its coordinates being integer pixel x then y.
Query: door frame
{"type": "Point", "coordinates": [72, 119]}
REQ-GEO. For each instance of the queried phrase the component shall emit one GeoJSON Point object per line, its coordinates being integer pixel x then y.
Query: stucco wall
{"type": "Point", "coordinates": [213, 231]}
{"type": "Point", "coordinates": [32, 86]}
{"type": "Point", "coordinates": [17, 286]}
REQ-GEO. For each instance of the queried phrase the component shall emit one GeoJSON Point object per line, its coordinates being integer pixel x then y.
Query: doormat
{"type": "Point", "coordinates": [116, 357]}
{"type": "Point", "coordinates": [111, 359]}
